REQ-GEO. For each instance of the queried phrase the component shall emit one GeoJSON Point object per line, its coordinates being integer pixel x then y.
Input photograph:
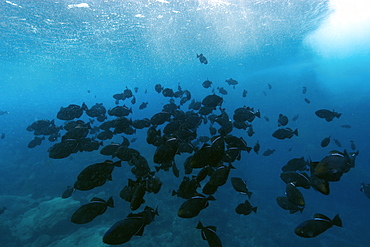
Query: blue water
{"type": "Point", "coordinates": [53, 54]}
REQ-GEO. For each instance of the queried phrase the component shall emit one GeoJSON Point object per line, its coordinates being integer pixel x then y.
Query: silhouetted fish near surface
{"type": "Point", "coordinates": [133, 225]}
{"type": "Point", "coordinates": [90, 211]}
{"type": "Point", "coordinates": [209, 234]}
{"type": "Point", "coordinates": [193, 206]}
{"type": "Point", "coordinates": [304, 90]}
{"type": "Point", "coordinates": [353, 146]}
{"type": "Point", "coordinates": [143, 105]}
{"type": "Point", "coordinates": [325, 142]}
{"type": "Point", "coordinates": [245, 208]}
{"type": "Point", "coordinates": [222, 90]}
{"type": "Point", "coordinates": [158, 88]}
{"type": "Point", "coordinates": [337, 142]}
{"type": "Point", "coordinates": [286, 133]}
{"type": "Point", "coordinates": [232, 82]}
{"type": "Point", "coordinates": [256, 147]}
{"type": "Point", "coordinates": [35, 142]}
{"type": "Point", "coordinates": [284, 203]}
{"type": "Point", "coordinates": [307, 100]}
{"type": "Point", "coordinates": [202, 58]}
{"type": "Point", "coordinates": [296, 164]}
{"type": "Point", "coordinates": [244, 94]}
{"type": "Point", "coordinates": [240, 186]}
{"type": "Point", "coordinates": [282, 120]}
{"type": "Point", "coordinates": [327, 114]}
{"type": "Point", "coordinates": [268, 152]}
{"type": "Point", "coordinates": [366, 189]}
{"type": "Point", "coordinates": [68, 192]}
{"type": "Point", "coordinates": [320, 223]}
{"type": "Point", "coordinates": [207, 83]}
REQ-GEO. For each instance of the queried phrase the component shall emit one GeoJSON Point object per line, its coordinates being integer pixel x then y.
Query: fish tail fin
{"type": "Point", "coordinates": [295, 132]}
{"type": "Point", "coordinates": [174, 192]}
{"type": "Point", "coordinates": [199, 225]}
{"type": "Point", "coordinates": [249, 195]}
{"type": "Point", "coordinates": [157, 168]}
{"type": "Point", "coordinates": [255, 209]}
{"type": "Point", "coordinates": [338, 115]}
{"type": "Point", "coordinates": [110, 202]}
{"type": "Point", "coordinates": [117, 163]}
{"type": "Point", "coordinates": [211, 198]}
{"type": "Point", "coordinates": [337, 221]}
{"type": "Point", "coordinates": [258, 114]}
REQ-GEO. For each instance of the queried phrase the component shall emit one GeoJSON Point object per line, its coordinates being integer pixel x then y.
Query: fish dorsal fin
{"type": "Point", "coordinates": [322, 217]}
{"type": "Point", "coordinates": [96, 200]}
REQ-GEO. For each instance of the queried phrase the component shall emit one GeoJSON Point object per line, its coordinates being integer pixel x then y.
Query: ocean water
{"type": "Point", "coordinates": [56, 53]}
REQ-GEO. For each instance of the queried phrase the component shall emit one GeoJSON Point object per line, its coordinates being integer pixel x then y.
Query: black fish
{"type": "Point", "coordinates": [202, 58]}
{"type": "Point", "coordinates": [209, 234]}
{"type": "Point", "coordinates": [295, 164]}
{"type": "Point", "coordinates": [353, 146]}
{"type": "Point", "coordinates": [327, 114]}
{"type": "Point", "coordinates": [95, 175]}
{"type": "Point", "coordinates": [207, 83]}
{"type": "Point", "coordinates": [307, 100]}
{"type": "Point", "coordinates": [245, 113]}
{"type": "Point", "coordinates": [240, 186]}
{"type": "Point", "coordinates": [68, 192]}
{"type": "Point", "coordinates": [222, 90]}
{"type": "Point", "coordinates": [245, 208]}
{"type": "Point", "coordinates": [269, 86]}
{"type": "Point", "coordinates": [256, 147]}
{"type": "Point", "coordinates": [193, 206]}
{"type": "Point", "coordinates": [158, 88]}
{"type": "Point", "coordinates": [286, 133]}
{"type": "Point", "coordinates": [320, 223]}
{"type": "Point", "coordinates": [304, 90]}
{"type": "Point", "coordinates": [283, 120]}
{"type": "Point", "coordinates": [133, 101]}
{"type": "Point", "coordinates": [294, 195]}
{"type": "Point", "coordinates": [134, 224]}
{"type": "Point", "coordinates": [299, 179]}
{"type": "Point", "coordinates": [90, 211]}
{"type": "Point", "coordinates": [366, 189]}
{"type": "Point", "coordinates": [325, 142]}
{"type": "Point", "coordinates": [284, 203]}
{"type": "Point", "coordinates": [337, 142]}
{"type": "Point", "coordinates": [168, 92]}
{"type": "Point", "coordinates": [35, 142]}
{"type": "Point", "coordinates": [71, 112]}
{"type": "Point", "coordinates": [268, 152]}
{"type": "Point", "coordinates": [232, 82]}
{"type": "Point", "coordinates": [244, 94]}
{"type": "Point", "coordinates": [212, 101]}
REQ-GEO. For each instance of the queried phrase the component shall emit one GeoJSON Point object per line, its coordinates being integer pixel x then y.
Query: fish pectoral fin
{"type": "Point", "coordinates": [204, 236]}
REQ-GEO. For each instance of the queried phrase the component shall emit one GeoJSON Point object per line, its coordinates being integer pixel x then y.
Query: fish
{"type": "Point", "coordinates": [366, 189]}
{"type": "Point", "coordinates": [244, 94]}
{"type": "Point", "coordinates": [282, 120]}
{"type": "Point", "coordinates": [207, 84]}
{"type": "Point", "coordinates": [307, 100]}
{"type": "Point", "coordinates": [212, 101]}
{"type": "Point", "coordinates": [232, 82]}
{"type": "Point", "coordinates": [193, 206]}
{"type": "Point", "coordinates": [313, 227]}
{"type": "Point", "coordinates": [95, 175]}
{"type": "Point", "coordinates": [268, 152]}
{"type": "Point", "coordinates": [269, 86]}
{"type": "Point", "coordinates": [120, 111]}
{"type": "Point", "coordinates": [285, 133]}
{"type": "Point", "coordinates": [133, 101]}
{"type": "Point", "coordinates": [68, 192]}
{"type": "Point", "coordinates": [240, 186]}
{"type": "Point", "coordinates": [285, 204]}
{"type": "Point", "coordinates": [187, 188]}
{"type": "Point", "coordinates": [256, 147]}
{"type": "Point", "coordinates": [202, 59]}
{"type": "Point", "coordinates": [266, 118]}
{"type": "Point", "coordinates": [35, 142]}
{"type": "Point", "coordinates": [346, 126]}
{"type": "Point", "coordinates": [327, 114]}
{"type": "Point", "coordinates": [299, 179]}
{"type": "Point", "coordinates": [245, 208]}
{"type": "Point", "coordinates": [222, 90]}
{"type": "Point", "coordinates": [337, 142]}
{"type": "Point", "coordinates": [168, 92]}
{"type": "Point", "coordinates": [158, 88]}
{"type": "Point", "coordinates": [294, 195]}
{"type": "Point", "coordinates": [133, 225]}
{"type": "Point", "coordinates": [353, 146]}
{"type": "Point", "coordinates": [71, 112]}
{"type": "Point", "coordinates": [86, 213]}
{"type": "Point", "coordinates": [325, 142]}
{"type": "Point", "coordinates": [296, 164]}
{"type": "Point", "coordinates": [209, 234]}
{"type": "Point", "coordinates": [304, 90]}
{"type": "Point", "coordinates": [2, 136]}
{"type": "Point", "coordinates": [295, 117]}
